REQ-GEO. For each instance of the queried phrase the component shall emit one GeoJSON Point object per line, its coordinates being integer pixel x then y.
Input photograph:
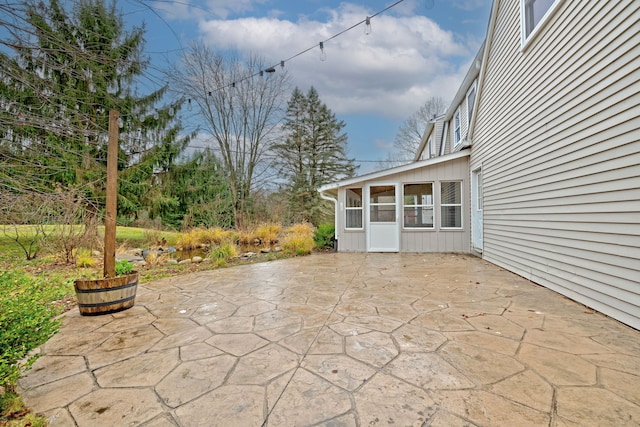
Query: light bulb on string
{"type": "Point", "coordinates": [323, 54]}
{"type": "Point", "coordinates": [189, 105]}
{"type": "Point", "coordinates": [120, 123]}
{"type": "Point", "coordinates": [155, 114]}
{"type": "Point", "coordinates": [367, 25]}
{"type": "Point", "coordinates": [171, 111]}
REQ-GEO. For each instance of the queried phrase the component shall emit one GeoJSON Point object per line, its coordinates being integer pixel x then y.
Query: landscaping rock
{"type": "Point", "coordinates": [196, 259]}
{"type": "Point", "coordinates": [129, 257]}
{"type": "Point", "coordinates": [247, 255]}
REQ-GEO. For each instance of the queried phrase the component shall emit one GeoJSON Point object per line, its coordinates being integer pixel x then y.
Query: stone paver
{"type": "Point", "coordinates": [341, 340]}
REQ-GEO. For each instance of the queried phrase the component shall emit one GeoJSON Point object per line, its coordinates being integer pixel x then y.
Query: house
{"type": "Point", "coordinates": [535, 167]}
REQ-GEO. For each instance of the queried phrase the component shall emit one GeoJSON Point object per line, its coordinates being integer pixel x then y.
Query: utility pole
{"type": "Point", "coordinates": [112, 196]}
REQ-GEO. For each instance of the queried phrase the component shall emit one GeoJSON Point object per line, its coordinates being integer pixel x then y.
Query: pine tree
{"type": "Point", "coordinates": [71, 68]}
{"type": "Point", "coordinates": [312, 154]}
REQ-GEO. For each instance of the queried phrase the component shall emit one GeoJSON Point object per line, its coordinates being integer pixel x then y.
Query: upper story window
{"type": "Point", "coordinates": [431, 148]}
{"type": "Point", "coordinates": [471, 100]}
{"type": "Point", "coordinates": [534, 14]}
{"type": "Point", "coordinates": [456, 127]}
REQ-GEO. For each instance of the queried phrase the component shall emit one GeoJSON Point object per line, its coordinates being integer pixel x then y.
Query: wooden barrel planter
{"type": "Point", "coordinates": [108, 295]}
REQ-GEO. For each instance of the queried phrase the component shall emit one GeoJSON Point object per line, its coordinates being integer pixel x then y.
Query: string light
{"type": "Point", "coordinates": [323, 54]}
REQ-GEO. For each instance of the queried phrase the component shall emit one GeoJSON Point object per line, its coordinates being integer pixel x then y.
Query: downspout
{"type": "Point", "coordinates": [335, 204]}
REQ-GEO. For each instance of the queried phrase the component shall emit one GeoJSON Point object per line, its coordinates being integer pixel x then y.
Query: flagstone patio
{"type": "Point", "coordinates": [342, 339]}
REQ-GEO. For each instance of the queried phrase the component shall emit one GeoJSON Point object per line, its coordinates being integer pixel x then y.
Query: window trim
{"type": "Point", "coordinates": [527, 40]}
{"type": "Point", "coordinates": [457, 131]}
{"type": "Point", "coordinates": [441, 205]}
{"type": "Point", "coordinates": [354, 208]}
{"type": "Point", "coordinates": [433, 206]}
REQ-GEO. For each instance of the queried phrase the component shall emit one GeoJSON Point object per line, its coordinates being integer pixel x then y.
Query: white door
{"type": "Point", "coordinates": [383, 232]}
{"type": "Point", "coordinates": [476, 209]}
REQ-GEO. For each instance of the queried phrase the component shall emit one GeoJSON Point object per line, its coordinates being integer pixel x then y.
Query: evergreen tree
{"type": "Point", "coordinates": [195, 193]}
{"type": "Point", "coordinates": [312, 154]}
{"type": "Point", "coordinates": [70, 68]}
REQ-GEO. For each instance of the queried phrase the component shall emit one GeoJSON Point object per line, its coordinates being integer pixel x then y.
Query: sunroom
{"type": "Point", "coordinates": [423, 206]}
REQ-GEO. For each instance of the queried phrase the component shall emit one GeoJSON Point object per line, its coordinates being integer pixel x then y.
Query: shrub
{"type": "Point", "coordinates": [153, 258]}
{"type": "Point", "coordinates": [298, 239]}
{"type": "Point", "coordinates": [216, 235]}
{"type": "Point", "coordinates": [84, 258]}
{"type": "Point", "coordinates": [324, 236]}
{"type": "Point", "coordinates": [302, 228]}
{"type": "Point", "coordinates": [246, 237]}
{"type": "Point", "coordinates": [225, 251]}
{"type": "Point", "coordinates": [26, 320]}
{"type": "Point", "coordinates": [268, 233]}
{"type": "Point", "coordinates": [151, 237]}
{"type": "Point", "coordinates": [123, 267]}
{"type": "Point", "coordinates": [190, 239]}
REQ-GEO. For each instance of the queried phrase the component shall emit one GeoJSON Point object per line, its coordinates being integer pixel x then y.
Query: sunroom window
{"type": "Point", "coordinates": [450, 204]}
{"type": "Point", "coordinates": [418, 205]}
{"type": "Point", "coordinates": [353, 209]}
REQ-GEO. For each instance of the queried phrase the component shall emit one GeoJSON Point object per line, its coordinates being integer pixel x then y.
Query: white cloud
{"type": "Point", "coordinates": [211, 9]}
{"type": "Point", "coordinates": [391, 72]}
{"type": "Point", "coordinates": [224, 8]}
{"type": "Point", "coordinates": [468, 4]}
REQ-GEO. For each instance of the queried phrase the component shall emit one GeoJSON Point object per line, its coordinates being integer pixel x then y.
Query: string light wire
{"type": "Point", "coordinates": [322, 44]}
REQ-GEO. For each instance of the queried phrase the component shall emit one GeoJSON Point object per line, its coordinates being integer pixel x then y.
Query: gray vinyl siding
{"type": "Point", "coordinates": [413, 240]}
{"type": "Point", "coordinates": [557, 134]}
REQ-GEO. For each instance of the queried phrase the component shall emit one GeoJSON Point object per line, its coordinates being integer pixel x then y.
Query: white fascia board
{"type": "Point", "coordinates": [468, 80]}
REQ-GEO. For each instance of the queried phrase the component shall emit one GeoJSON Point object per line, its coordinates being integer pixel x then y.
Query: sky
{"type": "Point", "coordinates": [373, 82]}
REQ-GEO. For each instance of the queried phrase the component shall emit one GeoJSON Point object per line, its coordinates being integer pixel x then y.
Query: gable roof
{"type": "Point", "coordinates": [468, 80]}
{"type": "Point", "coordinates": [391, 171]}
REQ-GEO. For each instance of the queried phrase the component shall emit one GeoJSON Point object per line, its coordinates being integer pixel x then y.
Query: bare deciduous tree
{"type": "Point", "coordinates": [240, 108]}
{"type": "Point", "coordinates": [412, 130]}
